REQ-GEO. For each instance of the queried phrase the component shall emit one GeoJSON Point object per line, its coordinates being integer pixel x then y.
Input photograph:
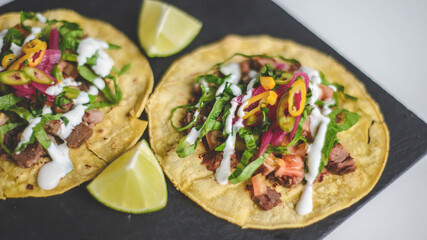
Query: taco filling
{"type": "Point", "coordinates": [54, 79]}
{"type": "Point", "coordinates": [268, 121]}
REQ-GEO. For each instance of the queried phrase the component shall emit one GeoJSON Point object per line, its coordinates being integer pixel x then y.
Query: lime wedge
{"type": "Point", "coordinates": [133, 183]}
{"type": "Point", "coordinates": [164, 30]}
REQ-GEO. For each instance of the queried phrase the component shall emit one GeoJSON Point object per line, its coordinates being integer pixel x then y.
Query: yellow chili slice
{"type": "Point", "coordinates": [7, 60]}
{"type": "Point", "coordinates": [17, 63]}
{"type": "Point", "coordinates": [267, 82]}
{"type": "Point", "coordinates": [35, 58]}
{"type": "Point", "coordinates": [297, 87]}
{"type": "Point", "coordinates": [272, 97]}
{"type": "Point", "coordinates": [269, 97]}
{"type": "Point", "coordinates": [33, 46]}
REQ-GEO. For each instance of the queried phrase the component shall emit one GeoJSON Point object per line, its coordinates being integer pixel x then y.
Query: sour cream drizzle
{"type": "Point", "coordinates": [51, 173]}
{"type": "Point", "coordinates": [232, 69]}
{"type": "Point", "coordinates": [194, 133]}
{"type": "Point", "coordinates": [89, 47]}
{"type": "Point", "coordinates": [28, 131]}
{"type": "Point", "coordinates": [223, 171]}
{"type": "Point", "coordinates": [17, 50]}
{"type": "Point", "coordinates": [41, 18]}
{"type": "Point", "coordinates": [318, 126]}
{"type": "Point", "coordinates": [2, 34]}
{"type": "Point", "coordinates": [57, 88]}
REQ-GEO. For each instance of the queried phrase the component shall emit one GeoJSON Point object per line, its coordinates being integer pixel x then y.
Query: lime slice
{"type": "Point", "coordinates": [133, 183]}
{"type": "Point", "coordinates": [164, 30]}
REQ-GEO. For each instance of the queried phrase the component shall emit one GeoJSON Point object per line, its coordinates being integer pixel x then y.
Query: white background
{"type": "Point", "coordinates": [387, 40]}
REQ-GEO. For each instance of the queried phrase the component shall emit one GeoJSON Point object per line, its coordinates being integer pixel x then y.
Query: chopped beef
{"type": "Point", "coordinates": [293, 67]}
{"type": "Point", "coordinates": [84, 86]}
{"type": "Point", "coordinates": [3, 119]}
{"type": "Point", "coordinates": [212, 159]}
{"type": "Point", "coordinates": [197, 91]}
{"type": "Point", "coordinates": [340, 162]}
{"type": "Point", "coordinates": [258, 63]}
{"type": "Point", "coordinates": [245, 68]}
{"type": "Point", "coordinates": [322, 175]}
{"type": "Point", "coordinates": [80, 134]}
{"type": "Point", "coordinates": [306, 132]}
{"type": "Point", "coordinates": [10, 139]}
{"type": "Point", "coordinates": [52, 127]}
{"type": "Point", "coordinates": [30, 155]}
{"type": "Point", "coordinates": [21, 30]}
{"type": "Point", "coordinates": [286, 181]}
{"type": "Point", "coordinates": [267, 201]}
{"type": "Point", "coordinates": [68, 69]}
{"type": "Point", "coordinates": [188, 118]}
{"type": "Point", "coordinates": [213, 139]}
{"type": "Point", "coordinates": [300, 149]}
{"type": "Point", "coordinates": [92, 117]}
{"type": "Point", "coordinates": [64, 109]}
{"type": "Point", "coordinates": [290, 171]}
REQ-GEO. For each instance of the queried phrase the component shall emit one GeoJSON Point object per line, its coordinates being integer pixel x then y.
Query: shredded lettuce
{"type": "Point", "coordinates": [87, 74]}
{"type": "Point", "coordinates": [331, 139]}
{"type": "Point", "coordinates": [13, 36]}
{"type": "Point", "coordinates": [39, 132]}
{"type": "Point", "coordinates": [184, 148]}
{"type": "Point", "coordinates": [9, 100]}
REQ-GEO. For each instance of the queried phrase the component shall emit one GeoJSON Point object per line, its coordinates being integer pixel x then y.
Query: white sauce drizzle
{"type": "Point", "coordinates": [194, 133]}
{"type": "Point", "coordinates": [51, 173]}
{"type": "Point", "coordinates": [234, 70]}
{"type": "Point", "coordinates": [93, 91]}
{"type": "Point", "coordinates": [328, 102]}
{"type": "Point", "coordinates": [223, 171]}
{"type": "Point", "coordinates": [2, 34]}
{"type": "Point", "coordinates": [99, 83]}
{"type": "Point", "coordinates": [88, 47]}
{"type": "Point", "coordinates": [333, 87]}
{"type": "Point", "coordinates": [34, 32]}
{"type": "Point", "coordinates": [16, 50]}
{"type": "Point", "coordinates": [41, 18]}
{"type": "Point", "coordinates": [305, 205]}
{"type": "Point", "coordinates": [318, 126]}
{"type": "Point", "coordinates": [28, 131]}
{"type": "Point", "coordinates": [59, 86]}
{"type": "Point", "coordinates": [204, 84]}
{"type": "Point", "coordinates": [103, 65]}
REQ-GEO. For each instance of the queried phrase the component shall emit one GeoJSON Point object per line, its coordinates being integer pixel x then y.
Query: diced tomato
{"type": "Point", "coordinates": [290, 165]}
{"type": "Point", "coordinates": [259, 184]}
{"type": "Point", "coordinates": [327, 92]}
{"type": "Point", "coordinates": [266, 169]}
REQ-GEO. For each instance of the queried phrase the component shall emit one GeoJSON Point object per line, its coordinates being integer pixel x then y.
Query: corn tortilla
{"type": "Point", "coordinates": [119, 130]}
{"type": "Point", "coordinates": [367, 141]}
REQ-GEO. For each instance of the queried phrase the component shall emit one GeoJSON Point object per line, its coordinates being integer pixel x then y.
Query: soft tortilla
{"type": "Point", "coordinates": [119, 130]}
{"type": "Point", "coordinates": [367, 141]}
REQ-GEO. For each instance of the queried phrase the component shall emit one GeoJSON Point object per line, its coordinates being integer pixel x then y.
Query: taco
{"type": "Point", "coordinates": [72, 90]}
{"type": "Point", "coordinates": [267, 133]}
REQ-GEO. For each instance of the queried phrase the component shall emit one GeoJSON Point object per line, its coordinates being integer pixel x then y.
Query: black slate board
{"type": "Point", "coordinates": [76, 215]}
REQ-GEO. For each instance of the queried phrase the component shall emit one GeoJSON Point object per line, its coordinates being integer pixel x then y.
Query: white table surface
{"type": "Point", "coordinates": [387, 40]}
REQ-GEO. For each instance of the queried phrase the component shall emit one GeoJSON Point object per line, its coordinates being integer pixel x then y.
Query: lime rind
{"type": "Point", "coordinates": [122, 188]}
{"type": "Point", "coordinates": [164, 30]}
